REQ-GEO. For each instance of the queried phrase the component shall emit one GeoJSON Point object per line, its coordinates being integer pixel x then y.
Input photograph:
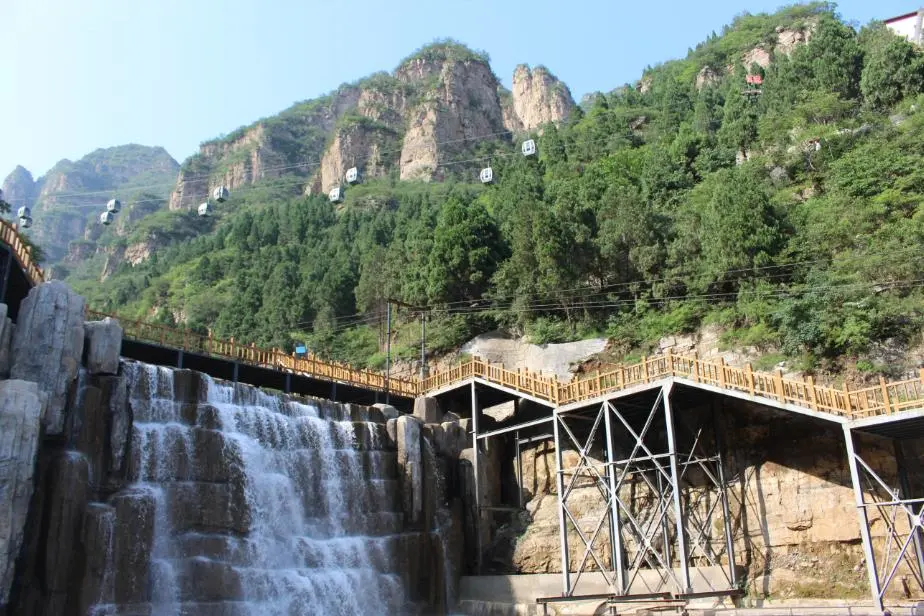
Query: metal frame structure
{"type": "Point", "coordinates": [651, 503]}
{"type": "Point", "coordinates": [902, 517]}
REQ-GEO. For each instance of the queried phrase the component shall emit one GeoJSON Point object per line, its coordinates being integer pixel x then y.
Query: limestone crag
{"type": "Point", "coordinates": [539, 98]}
{"type": "Point", "coordinates": [19, 188]}
{"type": "Point", "coordinates": [48, 345]}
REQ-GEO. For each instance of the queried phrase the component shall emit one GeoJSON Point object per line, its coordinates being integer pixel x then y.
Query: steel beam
{"type": "Point", "coordinates": [675, 479]}
{"type": "Point", "coordinates": [615, 527]}
{"type": "Point", "coordinates": [562, 528]}
{"type": "Point", "coordinates": [871, 570]}
{"type": "Point", "coordinates": [519, 471]}
{"type": "Point", "coordinates": [475, 464]}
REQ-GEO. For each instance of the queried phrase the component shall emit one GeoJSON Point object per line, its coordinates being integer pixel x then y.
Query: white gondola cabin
{"type": "Point", "coordinates": [486, 175]}
{"type": "Point", "coordinates": [221, 194]}
{"type": "Point", "coordinates": [352, 175]}
{"type": "Point", "coordinates": [24, 212]}
{"type": "Point", "coordinates": [529, 147]}
{"type": "Point", "coordinates": [106, 218]}
{"type": "Point", "coordinates": [205, 209]}
{"type": "Point", "coordinates": [335, 195]}
{"type": "Point", "coordinates": [114, 206]}
{"type": "Point", "coordinates": [25, 222]}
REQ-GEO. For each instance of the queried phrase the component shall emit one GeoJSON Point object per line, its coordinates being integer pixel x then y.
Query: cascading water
{"type": "Point", "coordinates": [263, 505]}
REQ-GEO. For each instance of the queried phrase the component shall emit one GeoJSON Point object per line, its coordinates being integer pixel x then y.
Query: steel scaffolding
{"type": "Point", "coordinates": [661, 496]}
{"type": "Point", "coordinates": [902, 517]}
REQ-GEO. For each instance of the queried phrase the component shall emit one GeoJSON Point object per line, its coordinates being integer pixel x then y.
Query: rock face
{"type": "Point", "coordinates": [19, 188]}
{"type": "Point", "coordinates": [62, 214]}
{"type": "Point", "coordinates": [48, 345]}
{"type": "Point", "coordinates": [20, 427]}
{"type": "Point", "coordinates": [104, 344]}
{"type": "Point", "coordinates": [539, 98]}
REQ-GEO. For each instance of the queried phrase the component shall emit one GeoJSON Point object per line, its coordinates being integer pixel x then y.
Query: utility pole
{"type": "Point", "coordinates": [423, 346]}
{"type": "Point", "coordinates": [387, 351]}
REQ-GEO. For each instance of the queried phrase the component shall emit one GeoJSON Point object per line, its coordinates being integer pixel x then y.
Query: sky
{"type": "Point", "coordinates": [76, 76]}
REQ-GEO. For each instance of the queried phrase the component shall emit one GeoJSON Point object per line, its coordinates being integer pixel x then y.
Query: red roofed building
{"type": "Point", "coordinates": [907, 25]}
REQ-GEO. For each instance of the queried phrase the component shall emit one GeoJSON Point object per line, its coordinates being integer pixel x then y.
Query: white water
{"type": "Point", "coordinates": [302, 516]}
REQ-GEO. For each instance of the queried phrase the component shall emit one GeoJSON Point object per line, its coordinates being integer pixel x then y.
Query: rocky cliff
{"type": "Point", "coordinates": [67, 200]}
{"type": "Point", "coordinates": [430, 110]}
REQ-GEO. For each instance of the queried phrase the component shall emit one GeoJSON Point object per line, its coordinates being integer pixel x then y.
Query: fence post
{"type": "Point", "coordinates": [670, 361]}
{"type": "Point", "coordinates": [885, 394]}
{"type": "Point", "coordinates": [722, 372]}
{"type": "Point", "coordinates": [811, 391]}
{"type": "Point", "coordinates": [645, 367]}
{"type": "Point", "coordinates": [778, 378]}
{"type": "Point", "coordinates": [847, 405]}
{"type": "Point", "coordinates": [750, 373]}
{"type": "Point", "coordinates": [696, 366]}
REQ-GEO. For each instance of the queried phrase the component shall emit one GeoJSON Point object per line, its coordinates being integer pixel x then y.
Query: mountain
{"type": "Point", "coordinates": [67, 200]}
{"type": "Point", "coordinates": [786, 217]}
{"type": "Point", "coordinates": [438, 103]}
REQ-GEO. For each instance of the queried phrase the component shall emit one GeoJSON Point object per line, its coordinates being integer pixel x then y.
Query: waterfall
{"type": "Point", "coordinates": [263, 505]}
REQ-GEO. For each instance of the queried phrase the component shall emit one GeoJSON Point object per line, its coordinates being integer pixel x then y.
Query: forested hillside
{"type": "Point", "coordinates": [792, 217]}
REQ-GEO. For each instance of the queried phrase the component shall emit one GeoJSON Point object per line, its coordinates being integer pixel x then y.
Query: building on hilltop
{"type": "Point", "coordinates": [907, 25]}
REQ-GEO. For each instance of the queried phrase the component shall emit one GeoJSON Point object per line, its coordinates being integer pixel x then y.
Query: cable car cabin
{"type": "Point", "coordinates": [25, 222]}
{"type": "Point", "coordinates": [335, 195]}
{"type": "Point", "coordinates": [352, 175]}
{"type": "Point", "coordinates": [24, 212]}
{"type": "Point", "coordinates": [205, 209]}
{"type": "Point", "coordinates": [221, 194]}
{"type": "Point", "coordinates": [487, 175]}
{"type": "Point", "coordinates": [529, 147]}
{"type": "Point", "coordinates": [106, 218]}
{"type": "Point", "coordinates": [114, 206]}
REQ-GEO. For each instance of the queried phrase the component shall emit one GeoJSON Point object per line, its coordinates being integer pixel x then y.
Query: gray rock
{"type": "Point", "coordinates": [388, 411]}
{"type": "Point", "coordinates": [391, 428]}
{"type": "Point", "coordinates": [20, 426]}
{"type": "Point", "coordinates": [410, 467]}
{"type": "Point", "coordinates": [104, 345]}
{"type": "Point", "coordinates": [120, 424]}
{"type": "Point", "coordinates": [427, 409]}
{"type": "Point", "coordinates": [6, 338]}
{"type": "Point", "coordinates": [502, 411]}
{"type": "Point", "coordinates": [48, 345]}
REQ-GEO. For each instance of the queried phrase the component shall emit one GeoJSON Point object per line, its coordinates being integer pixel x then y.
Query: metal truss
{"type": "Point", "coordinates": [660, 494]}
{"type": "Point", "coordinates": [902, 517]}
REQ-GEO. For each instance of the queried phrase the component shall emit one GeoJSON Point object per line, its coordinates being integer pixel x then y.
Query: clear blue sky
{"type": "Point", "coordinates": [78, 75]}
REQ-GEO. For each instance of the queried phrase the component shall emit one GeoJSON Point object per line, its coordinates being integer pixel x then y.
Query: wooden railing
{"type": "Point", "coordinates": [10, 236]}
{"type": "Point", "coordinates": [277, 359]}
{"type": "Point", "coordinates": [882, 399]}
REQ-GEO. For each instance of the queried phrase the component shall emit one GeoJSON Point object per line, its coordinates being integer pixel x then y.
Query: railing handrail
{"type": "Point", "coordinates": [9, 234]}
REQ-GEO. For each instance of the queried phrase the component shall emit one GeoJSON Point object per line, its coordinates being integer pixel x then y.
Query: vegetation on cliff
{"type": "Point", "coordinates": [793, 218]}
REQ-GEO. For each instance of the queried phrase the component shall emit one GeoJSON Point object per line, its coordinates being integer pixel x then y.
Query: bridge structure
{"type": "Point", "coordinates": [628, 416]}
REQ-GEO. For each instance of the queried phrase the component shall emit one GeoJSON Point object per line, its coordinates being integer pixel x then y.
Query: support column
{"type": "Point", "coordinates": [675, 480]}
{"type": "Point", "coordinates": [288, 383]}
{"type": "Point", "coordinates": [333, 392]}
{"type": "Point", "coordinates": [516, 435]}
{"type": "Point", "coordinates": [905, 486]}
{"type": "Point", "coordinates": [723, 494]}
{"type": "Point", "coordinates": [179, 360]}
{"type": "Point", "coordinates": [615, 525]}
{"type": "Point", "coordinates": [863, 518]}
{"type": "Point", "coordinates": [560, 488]}
{"type": "Point", "coordinates": [235, 372]}
{"type": "Point", "coordinates": [476, 466]}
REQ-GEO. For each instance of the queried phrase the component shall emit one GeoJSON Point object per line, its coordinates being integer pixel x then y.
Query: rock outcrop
{"type": "Point", "coordinates": [48, 345]}
{"type": "Point", "coordinates": [21, 412]}
{"type": "Point", "coordinates": [19, 188]}
{"type": "Point", "coordinates": [539, 98]}
{"type": "Point", "coordinates": [104, 344]}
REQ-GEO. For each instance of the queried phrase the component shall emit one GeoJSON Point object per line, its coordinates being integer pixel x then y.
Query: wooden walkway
{"type": "Point", "coordinates": [884, 398]}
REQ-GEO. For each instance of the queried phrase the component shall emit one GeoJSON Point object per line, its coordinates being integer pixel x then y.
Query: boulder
{"type": "Point", "coordinates": [120, 424]}
{"type": "Point", "coordinates": [388, 411]}
{"type": "Point", "coordinates": [427, 409]}
{"type": "Point", "coordinates": [48, 345]}
{"type": "Point", "coordinates": [501, 412]}
{"type": "Point", "coordinates": [20, 427]}
{"type": "Point", "coordinates": [410, 467]}
{"type": "Point", "coordinates": [104, 344]}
